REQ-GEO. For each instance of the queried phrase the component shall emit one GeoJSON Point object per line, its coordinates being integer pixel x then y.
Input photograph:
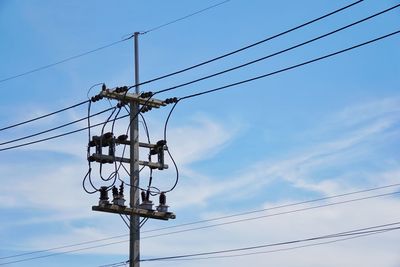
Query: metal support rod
{"type": "Point", "coordinates": [134, 241]}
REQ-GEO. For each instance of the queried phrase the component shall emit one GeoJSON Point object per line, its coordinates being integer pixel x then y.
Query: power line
{"type": "Point", "coordinates": [248, 46]}
{"type": "Point", "coordinates": [225, 217]}
{"type": "Point", "coordinates": [335, 235]}
{"type": "Point", "coordinates": [281, 51]}
{"type": "Point", "coordinates": [274, 208]}
{"type": "Point", "coordinates": [117, 264]}
{"type": "Point", "coordinates": [347, 233]}
{"type": "Point", "coordinates": [358, 235]}
{"type": "Point", "coordinates": [270, 215]}
{"type": "Point", "coordinates": [233, 84]}
{"type": "Point", "coordinates": [185, 17]}
{"type": "Point", "coordinates": [55, 128]}
{"type": "Point", "coordinates": [64, 60]}
{"type": "Point", "coordinates": [291, 67]}
{"type": "Point", "coordinates": [62, 253]}
{"type": "Point", "coordinates": [57, 136]}
{"type": "Point", "coordinates": [216, 58]}
{"type": "Point", "coordinates": [123, 263]}
{"type": "Point", "coordinates": [44, 116]}
{"type": "Point", "coordinates": [352, 236]}
{"type": "Point", "coordinates": [130, 36]}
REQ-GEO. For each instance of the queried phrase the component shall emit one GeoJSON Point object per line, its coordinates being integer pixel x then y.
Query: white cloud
{"type": "Point", "coordinates": [202, 140]}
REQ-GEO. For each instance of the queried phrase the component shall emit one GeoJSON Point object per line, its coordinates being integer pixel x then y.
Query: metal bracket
{"type": "Point", "coordinates": [134, 211]}
{"type": "Point", "coordinates": [129, 97]}
{"type": "Point", "coordinates": [110, 159]}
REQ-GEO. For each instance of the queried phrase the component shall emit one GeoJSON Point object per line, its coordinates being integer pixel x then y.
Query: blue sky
{"type": "Point", "coordinates": [323, 129]}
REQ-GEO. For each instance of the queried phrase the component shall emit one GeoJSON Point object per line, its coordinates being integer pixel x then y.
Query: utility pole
{"type": "Point", "coordinates": [136, 210]}
{"type": "Point", "coordinates": [134, 237]}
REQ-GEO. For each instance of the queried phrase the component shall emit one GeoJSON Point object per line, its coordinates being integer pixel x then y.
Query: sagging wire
{"type": "Point", "coordinates": [146, 129]}
{"type": "Point", "coordinates": [143, 108]}
{"type": "Point", "coordinates": [152, 192]}
{"type": "Point", "coordinates": [144, 123]}
{"type": "Point", "coordinates": [101, 144]}
{"type": "Point", "coordinates": [168, 101]}
{"type": "Point", "coordinates": [89, 172]}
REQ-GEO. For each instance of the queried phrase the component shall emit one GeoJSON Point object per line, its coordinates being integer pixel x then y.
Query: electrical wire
{"type": "Point", "coordinates": [127, 37]}
{"type": "Point", "coordinates": [44, 116]}
{"type": "Point", "coordinates": [101, 145]}
{"type": "Point", "coordinates": [234, 84]}
{"type": "Point", "coordinates": [54, 128]}
{"type": "Point", "coordinates": [274, 208]}
{"type": "Point", "coordinates": [292, 67]}
{"type": "Point", "coordinates": [117, 264]}
{"type": "Point", "coordinates": [168, 151]}
{"type": "Point", "coordinates": [219, 57]}
{"type": "Point", "coordinates": [263, 76]}
{"type": "Point", "coordinates": [88, 176]}
{"type": "Point", "coordinates": [269, 38]}
{"type": "Point", "coordinates": [271, 215]}
{"type": "Point", "coordinates": [146, 129]}
{"type": "Point", "coordinates": [288, 249]}
{"type": "Point", "coordinates": [268, 251]}
{"type": "Point", "coordinates": [185, 17]}
{"type": "Point", "coordinates": [356, 232]}
{"type": "Point", "coordinates": [56, 136]}
{"type": "Point", "coordinates": [63, 252]}
{"type": "Point", "coordinates": [280, 51]}
{"type": "Point", "coordinates": [64, 60]}
{"type": "Point", "coordinates": [89, 172]}
{"type": "Point", "coordinates": [347, 233]}
{"type": "Point", "coordinates": [231, 216]}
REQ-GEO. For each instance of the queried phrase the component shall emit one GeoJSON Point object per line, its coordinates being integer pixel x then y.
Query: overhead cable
{"type": "Point", "coordinates": [271, 215]}
{"type": "Point", "coordinates": [57, 136]}
{"type": "Point", "coordinates": [279, 52]}
{"type": "Point", "coordinates": [55, 128]}
{"type": "Point", "coordinates": [217, 58]}
{"type": "Point", "coordinates": [231, 216]}
{"type": "Point", "coordinates": [236, 83]}
{"type": "Point", "coordinates": [45, 116]}
{"type": "Point", "coordinates": [248, 46]}
{"type": "Point", "coordinates": [185, 17]}
{"type": "Point", "coordinates": [126, 38]}
{"type": "Point", "coordinates": [349, 237]}
{"type": "Point", "coordinates": [63, 60]}
{"type": "Point", "coordinates": [292, 67]}
{"type": "Point", "coordinates": [353, 233]}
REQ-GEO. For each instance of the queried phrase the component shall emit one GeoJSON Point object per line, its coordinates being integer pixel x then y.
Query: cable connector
{"type": "Point", "coordinates": [146, 94]}
{"type": "Point", "coordinates": [171, 100]}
